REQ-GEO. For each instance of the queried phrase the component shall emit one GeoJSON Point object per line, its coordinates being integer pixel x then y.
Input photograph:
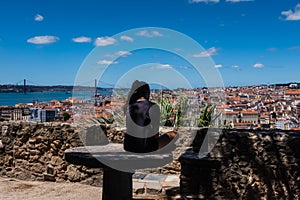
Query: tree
{"type": "Point", "coordinates": [66, 116]}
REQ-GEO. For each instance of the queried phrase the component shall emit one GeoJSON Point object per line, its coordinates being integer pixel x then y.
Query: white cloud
{"type": "Point", "coordinates": [210, 52]}
{"type": "Point", "coordinates": [126, 38]}
{"type": "Point", "coordinates": [292, 15]}
{"type": "Point", "coordinates": [38, 18]}
{"type": "Point", "coordinates": [123, 53]}
{"type": "Point", "coordinates": [47, 39]}
{"type": "Point", "coordinates": [237, 1]}
{"type": "Point", "coordinates": [235, 67]}
{"type": "Point", "coordinates": [149, 34]}
{"type": "Point", "coordinates": [82, 39]}
{"type": "Point", "coordinates": [162, 66]}
{"type": "Point", "coordinates": [184, 67]}
{"type": "Point", "coordinates": [258, 65]}
{"type": "Point", "coordinates": [106, 62]}
{"type": "Point", "coordinates": [165, 66]}
{"type": "Point", "coordinates": [119, 54]}
{"type": "Point", "coordinates": [272, 49]}
{"type": "Point", "coordinates": [204, 1]}
{"type": "Point", "coordinates": [156, 33]}
{"type": "Point", "coordinates": [218, 66]}
{"type": "Point", "coordinates": [294, 48]}
{"type": "Point", "coordinates": [104, 41]}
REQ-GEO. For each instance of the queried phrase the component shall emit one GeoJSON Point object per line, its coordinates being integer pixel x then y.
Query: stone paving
{"type": "Point", "coordinates": [146, 186]}
{"type": "Point", "coordinates": [153, 186]}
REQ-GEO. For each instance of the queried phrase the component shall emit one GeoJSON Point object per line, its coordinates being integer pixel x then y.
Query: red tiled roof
{"type": "Point", "coordinates": [234, 98]}
{"type": "Point", "coordinates": [239, 105]}
{"type": "Point", "coordinates": [117, 103]}
{"type": "Point", "coordinates": [249, 112]}
{"type": "Point", "coordinates": [54, 101]}
{"type": "Point", "coordinates": [292, 92]}
{"type": "Point", "coordinates": [295, 129]}
{"type": "Point", "coordinates": [242, 123]}
{"type": "Point", "coordinates": [49, 107]}
{"type": "Point", "coordinates": [231, 112]}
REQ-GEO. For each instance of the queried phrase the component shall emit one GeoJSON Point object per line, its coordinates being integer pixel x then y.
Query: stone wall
{"type": "Point", "coordinates": [35, 151]}
{"type": "Point", "coordinates": [243, 164]}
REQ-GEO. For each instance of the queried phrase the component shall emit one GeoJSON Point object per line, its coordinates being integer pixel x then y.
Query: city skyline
{"type": "Point", "coordinates": [251, 42]}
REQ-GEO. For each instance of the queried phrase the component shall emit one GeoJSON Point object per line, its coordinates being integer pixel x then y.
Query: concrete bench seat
{"type": "Point", "coordinates": [117, 164]}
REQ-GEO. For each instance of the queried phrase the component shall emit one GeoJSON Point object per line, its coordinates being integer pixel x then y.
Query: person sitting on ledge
{"type": "Point", "coordinates": [142, 121]}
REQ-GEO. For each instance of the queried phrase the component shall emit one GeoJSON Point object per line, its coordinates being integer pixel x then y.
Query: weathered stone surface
{"type": "Point", "coordinates": [6, 140]}
{"type": "Point", "coordinates": [41, 147]}
{"type": "Point", "coordinates": [138, 187]}
{"type": "Point", "coordinates": [253, 165]}
{"type": "Point", "coordinates": [56, 160]}
{"type": "Point", "coordinates": [48, 177]}
{"type": "Point", "coordinates": [153, 188]}
{"type": "Point", "coordinates": [38, 168]}
{"type": "Point", "coordinates": [34, 152]}
{"type": "Point", "coordinates": [73, 173]}
{"type": "Point", "coordinates": [30, 148]}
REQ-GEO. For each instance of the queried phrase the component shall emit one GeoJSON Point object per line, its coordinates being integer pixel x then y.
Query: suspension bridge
{"type": "Point", "coordinates": [27, 85]}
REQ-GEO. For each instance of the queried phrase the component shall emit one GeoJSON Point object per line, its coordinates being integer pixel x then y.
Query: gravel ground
{"type": "Point", "coordinates": [13, 189]}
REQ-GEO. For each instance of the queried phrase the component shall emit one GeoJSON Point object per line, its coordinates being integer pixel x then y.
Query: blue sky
{"type": "Point", "coordinates": [250, 42]}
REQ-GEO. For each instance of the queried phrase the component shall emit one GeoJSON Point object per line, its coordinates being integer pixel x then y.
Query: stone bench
{"type": "Point", "coordinates": [117, 164]}
{"type": "Point", "coordinates": [196, 174]}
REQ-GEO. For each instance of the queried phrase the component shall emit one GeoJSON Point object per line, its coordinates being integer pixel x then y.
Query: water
{"type": "Point", "coordinates": [10, 99]}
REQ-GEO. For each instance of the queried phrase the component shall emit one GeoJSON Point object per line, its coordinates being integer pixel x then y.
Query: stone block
{"type": "Point", "coordinates": [57, 143]}
{"type": "Point", "coordinates": [50, 169]}
{"type": "Point", "coordinates": [32, 140]}
{"type": "Point", "coordinates": [41, 147]}
{"type": "Point", "coordinates": [73, 174]}
{"type": "Point", "coordinates": [138, 175]}
{"type": "Point", "coordinates": [37, 167]}
{"type": "Point", "coordinates": [172, 178]}
{"type": "Point", "coordinates": [48, 177]}
{"type": "Point", "coordinates": [34, 152]}
{"type": "Point", "coordinates": [153, 188]}
{"type": "Point", "coordinates": [154, 177]}
{"type": "Point", "coordinates": [56, 160]}
{"type": "Point", "coordinates": [138, 187]}
{"type": "Point", "coordinates": [6, 140]}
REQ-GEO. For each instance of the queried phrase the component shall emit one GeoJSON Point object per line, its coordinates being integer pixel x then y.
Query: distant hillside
{"type": "Point", "coordinates": [9, 88]}
{"type": "Point", "coordinates": [33, 88]}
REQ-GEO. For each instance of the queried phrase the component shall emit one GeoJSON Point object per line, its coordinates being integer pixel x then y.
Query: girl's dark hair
{"type": "Point", "coordinates": [138, 89]}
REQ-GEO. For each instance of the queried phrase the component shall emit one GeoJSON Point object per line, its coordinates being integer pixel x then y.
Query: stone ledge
{"type": "Point", "coordinates": [151, 185]}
